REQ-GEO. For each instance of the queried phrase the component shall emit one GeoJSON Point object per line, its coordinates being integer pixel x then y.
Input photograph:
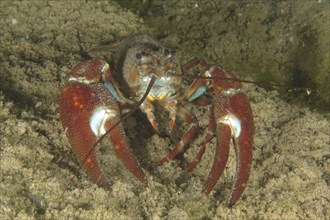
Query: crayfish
{"type": "Point", "coordinates": [145, 74]}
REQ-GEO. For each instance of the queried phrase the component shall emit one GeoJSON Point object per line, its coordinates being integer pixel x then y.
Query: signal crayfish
{"type": "Point", "coordinates": [96, 99]}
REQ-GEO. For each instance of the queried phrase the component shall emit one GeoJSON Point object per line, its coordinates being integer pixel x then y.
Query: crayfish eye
{"type": "Point", "coordinates": [169, 53]}
{"type": "Point", "coordinates": [138, 56]}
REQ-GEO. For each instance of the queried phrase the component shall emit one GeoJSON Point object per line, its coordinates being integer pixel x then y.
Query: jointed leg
{"type": "Point", "coordinates": [187, 137]}
{"type": "Point", "coordinates": [209, 136]}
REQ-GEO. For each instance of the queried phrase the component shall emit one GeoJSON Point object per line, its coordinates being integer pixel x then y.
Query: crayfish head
{"type": "Point", "coordinates": [146, 58]}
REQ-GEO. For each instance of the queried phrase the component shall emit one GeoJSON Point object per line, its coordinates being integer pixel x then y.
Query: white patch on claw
{"type": "Point", "coordinates": [83, 80]}
{"type": "Point", "coordinates": [233, 122]}
{"type": "Point", "coordinates": [208, 74]}
{"type": "Point", "coordinates": [98, 119]}
{"type": "Point", "coordinates": [230, 92]}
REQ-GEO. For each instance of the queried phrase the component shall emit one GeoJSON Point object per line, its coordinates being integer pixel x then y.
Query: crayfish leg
{"type": "Point", "coordinates": [209, 136]}
{"type": "Point", "coordinates": [190, 119]}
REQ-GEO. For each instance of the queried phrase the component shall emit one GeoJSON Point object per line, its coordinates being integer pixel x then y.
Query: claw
{"type": "Point", "coordinates": [243, 145]}
{"type": "Point", "coordinates": [87, 110]}
{"type": "Point", "coordinates": [119, 141]}
{"type": "Point", "coordinates": [75, 111]}
{"type": "Point", "coordinates": [234, 119]}
{"type": "Point", "coordinates": [220, 158]}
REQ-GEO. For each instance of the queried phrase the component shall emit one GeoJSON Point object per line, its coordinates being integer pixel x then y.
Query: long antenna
{"type": "Point", "coordinates": [306, 89]}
